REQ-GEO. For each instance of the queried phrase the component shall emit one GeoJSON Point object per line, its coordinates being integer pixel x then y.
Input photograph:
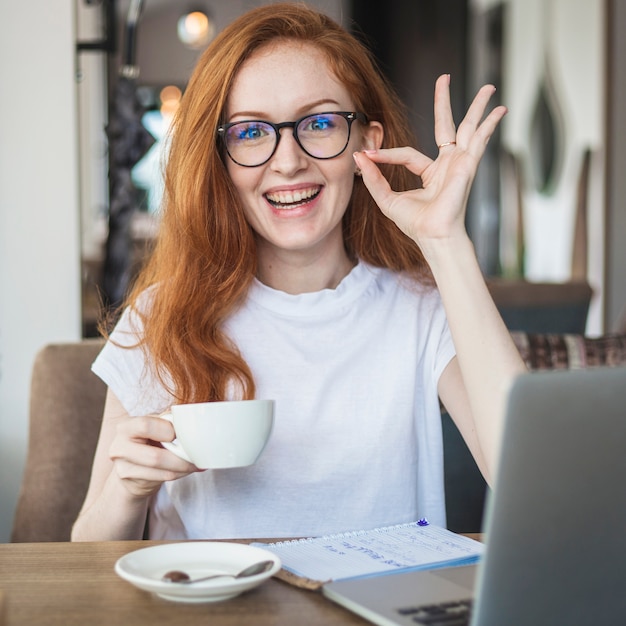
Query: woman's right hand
{"type": "Point", "coordinates": [130, 465]}
{"type": "Point", "coordinates": [139, 460]}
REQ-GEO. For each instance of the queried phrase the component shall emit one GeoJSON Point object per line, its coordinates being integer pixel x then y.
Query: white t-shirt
{"type": "Point", "coordinates": [357, 437]}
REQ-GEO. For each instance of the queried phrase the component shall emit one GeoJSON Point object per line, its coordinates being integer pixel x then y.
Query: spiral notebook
{"type": "Point", "coordinates": [310, 563]}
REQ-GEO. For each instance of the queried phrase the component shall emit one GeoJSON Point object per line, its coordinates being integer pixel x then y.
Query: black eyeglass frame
{"type": "Point", "coordinates": [349, 116]}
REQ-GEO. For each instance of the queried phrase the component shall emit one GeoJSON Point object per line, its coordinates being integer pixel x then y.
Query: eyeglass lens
{"type": "Point", "coordinates": [322, 136]}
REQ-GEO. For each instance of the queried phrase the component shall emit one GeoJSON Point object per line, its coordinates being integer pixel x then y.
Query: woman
{"type": "Point", "coordinates": [299, 260]}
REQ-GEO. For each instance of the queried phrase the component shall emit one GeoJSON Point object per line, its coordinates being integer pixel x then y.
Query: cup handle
{"type": "Point", "coordinates": [173, 446]}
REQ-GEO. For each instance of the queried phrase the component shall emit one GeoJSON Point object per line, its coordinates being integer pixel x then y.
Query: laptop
{"type": "Point", "coordinates": [555, 522]}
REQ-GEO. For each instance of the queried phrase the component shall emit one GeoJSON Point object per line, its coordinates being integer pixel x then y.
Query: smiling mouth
{"type": "Point", "coordinates": [285, 200]}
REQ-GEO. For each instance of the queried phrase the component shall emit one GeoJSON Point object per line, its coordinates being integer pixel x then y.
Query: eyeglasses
{"type": "Point", "coordinates": [251, 143]}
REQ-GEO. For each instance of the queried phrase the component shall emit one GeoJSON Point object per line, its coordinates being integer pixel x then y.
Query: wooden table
{"type": "Point", "coordinates": [74, 584]}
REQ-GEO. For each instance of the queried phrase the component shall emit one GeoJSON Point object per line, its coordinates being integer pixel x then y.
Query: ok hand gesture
{"type": "Point", "coordinates": [436, 212]}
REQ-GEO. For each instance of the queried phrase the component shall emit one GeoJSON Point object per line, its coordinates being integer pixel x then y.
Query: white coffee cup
{"type": "Point", "coordinates": [219, 435]}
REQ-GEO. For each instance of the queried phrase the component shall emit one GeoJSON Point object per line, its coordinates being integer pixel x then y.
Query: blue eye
{"type": "Point", "coordinates": [319, 123]}
{"type": "Point", "coordinates": [248, 132]}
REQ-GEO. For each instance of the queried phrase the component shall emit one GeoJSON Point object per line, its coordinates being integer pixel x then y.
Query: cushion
{"type": "Point", "coordinates": [568, 351]}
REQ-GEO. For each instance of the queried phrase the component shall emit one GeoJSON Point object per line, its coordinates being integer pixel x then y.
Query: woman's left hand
{"type": "Point", "coordinates": [437, 210]}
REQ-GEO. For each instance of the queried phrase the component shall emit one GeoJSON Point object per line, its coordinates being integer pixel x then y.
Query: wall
{"type": "Point", "coordinates": [616, 166]}
{"type": "Point", "coordinates": [567, 58]}
{"type": "Point", "coordinates": [161, 57]}
{"type": "Point", "coordinates": [39, 217]}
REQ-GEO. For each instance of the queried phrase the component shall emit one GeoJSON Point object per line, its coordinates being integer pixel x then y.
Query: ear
{"type": "Point", "coordinates": [373, 135]}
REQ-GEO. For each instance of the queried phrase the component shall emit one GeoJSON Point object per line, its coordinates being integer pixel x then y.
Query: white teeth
{"type": "Point", "coordinates": [287, 197]}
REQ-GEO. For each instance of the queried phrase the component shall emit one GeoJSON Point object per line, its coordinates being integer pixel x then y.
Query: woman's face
{"type": "Point", "coordinates": [294, 202]}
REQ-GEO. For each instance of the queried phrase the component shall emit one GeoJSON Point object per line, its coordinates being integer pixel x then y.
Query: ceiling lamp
{"type": "Point", "coordinates": [195, 29]}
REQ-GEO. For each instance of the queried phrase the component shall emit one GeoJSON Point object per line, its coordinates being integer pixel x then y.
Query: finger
{"type": "Point", "coordinates": [144, 478]}
{"type": "Point", "coordinates": [410, 158]}
{"type": "Point", "coordinates": [147, 427]}
{"type": "Point", "coordinates": [138, 440]}
{"type": "Point", "coordinates": [156, 459]}
{"type": "Point", "coordinates": [477, 108]}
{"type": "Point", "coordinates": [481, 136]}
{"type": "Point", "coordinates": [445, 129]}
{"type": "Point", "coordinates": [490, 123]}
{"type": "Point", "coordinates": [372, 177]}
{"type": "Point", "coordinates": [472, 124]}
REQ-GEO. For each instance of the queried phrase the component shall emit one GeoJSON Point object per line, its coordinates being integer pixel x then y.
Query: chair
{"type": "Point", "coordinates": [542, 307]}
{"type": "Point", "coordinates": [66, 406]}
{"type": "Point", "coordinates": [464, 484]}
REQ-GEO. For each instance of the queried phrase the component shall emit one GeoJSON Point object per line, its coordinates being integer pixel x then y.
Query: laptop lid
{"type": "Point", "coordinates": [556, 521]}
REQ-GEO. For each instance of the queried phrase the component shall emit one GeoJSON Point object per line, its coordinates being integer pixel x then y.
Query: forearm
{"type": "Point", "coordinates": [487, 356]}
{"type": "Point", "coordinates": [115, 514]}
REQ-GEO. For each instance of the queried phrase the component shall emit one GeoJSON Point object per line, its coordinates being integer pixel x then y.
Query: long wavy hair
{"type": "Point", "coordinates": [205, 257]}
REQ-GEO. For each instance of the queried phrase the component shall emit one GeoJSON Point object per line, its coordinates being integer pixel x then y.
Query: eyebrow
{"type": "Point", "coordinates": [301, 111]}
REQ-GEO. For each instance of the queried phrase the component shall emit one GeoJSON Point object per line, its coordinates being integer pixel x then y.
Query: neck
{"type": "Point", "coordinates": [302, 273]}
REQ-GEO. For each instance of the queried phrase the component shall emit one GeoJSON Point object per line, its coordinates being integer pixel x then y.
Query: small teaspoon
{"type": "Point", "coordinates": [182, 578]}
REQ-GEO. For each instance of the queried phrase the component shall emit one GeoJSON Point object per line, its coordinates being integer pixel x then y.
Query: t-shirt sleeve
{"type": "Point", "coordinates": [123, 366]}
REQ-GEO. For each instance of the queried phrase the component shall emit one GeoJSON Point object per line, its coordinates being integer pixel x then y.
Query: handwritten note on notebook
{"type": "Point", "coordinates": [367, 552]}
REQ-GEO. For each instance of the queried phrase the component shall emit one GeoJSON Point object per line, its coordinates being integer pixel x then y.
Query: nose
{"type": "Point", "coordinates": [288, 157]}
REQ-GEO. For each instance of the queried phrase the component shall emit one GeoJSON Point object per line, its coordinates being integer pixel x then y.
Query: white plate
{"type": "Point", "coordinates": [145, 568]}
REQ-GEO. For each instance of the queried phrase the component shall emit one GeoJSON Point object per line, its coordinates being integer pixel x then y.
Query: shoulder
{"type": "Point", "coordinates": [130, 325]}
{"type": "Point", "coordinates": [391, 281]}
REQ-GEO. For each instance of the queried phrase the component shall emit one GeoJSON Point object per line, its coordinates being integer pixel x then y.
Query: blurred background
{"type": "Point", "coordinates": [87, 88]}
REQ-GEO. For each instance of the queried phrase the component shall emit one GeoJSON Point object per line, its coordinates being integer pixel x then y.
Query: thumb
{"type": "Point", "coordinates": [374, 180]}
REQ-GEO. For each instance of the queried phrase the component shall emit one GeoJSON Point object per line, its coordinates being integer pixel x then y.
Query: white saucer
{"type": "Point", "coordinates": [145, 568]}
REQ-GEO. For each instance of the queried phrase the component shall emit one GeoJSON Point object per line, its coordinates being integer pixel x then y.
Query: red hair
{"type": "Point", "coordinates": [205, 255]}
